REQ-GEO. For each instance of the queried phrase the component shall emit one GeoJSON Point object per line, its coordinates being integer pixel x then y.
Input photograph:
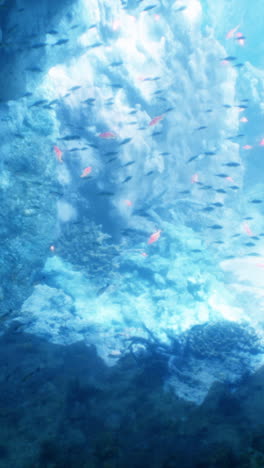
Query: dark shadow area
{"type": "Point", "coordinates": [62, 407]}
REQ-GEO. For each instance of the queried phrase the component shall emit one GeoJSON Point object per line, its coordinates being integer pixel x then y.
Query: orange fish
{"type": "Point", "coordinates": [86, 171]}
{"type": "Point", "coordinates": [247, 147]}
{"type": "Point", "coordinates": [247, 229]}
{"type": "Point", "coordinates": [59, 153]}
{"type": "Point", "coordinates": [107, 135]}
{"type": "Point", "coordinates": [232, 32]}
{"type": "Point", "coordinates": [156, 120]}
{"type": "Point", "coordinates": [128, 202]}
{"type": "Point", "coordinates": [154, 237]}
{"type": "Point", "coordinates": [195, 178]}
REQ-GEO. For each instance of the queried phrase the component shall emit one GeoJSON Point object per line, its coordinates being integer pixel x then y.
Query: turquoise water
{"type": "Point", "coordinates": [131, 182]}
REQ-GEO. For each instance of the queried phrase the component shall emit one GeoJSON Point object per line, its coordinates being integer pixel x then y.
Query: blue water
{"type": "Point", "coordinates": [132, 183]}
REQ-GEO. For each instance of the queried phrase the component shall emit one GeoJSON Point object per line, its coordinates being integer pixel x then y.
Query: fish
{"type": "Point", "coordinates": [154, 237]}
{"type": "Point", "coordinates": [249, 244]}
{"type": "Point", "coordinates": [215, 226]}
{"type": "Point", "coordinates": [39, 45]}
{"type": "Point", "coordinates": [231, 164]}
{"type": "Point", "coordinates": [30, 374]}
{"type": "Point", "coordinates": [209, 153]}
{"type": "Point", "coordinates": [106, 194]}
{"type": "Point", "coordinates": [127, 179]}
{"type": "Point", "coordinates": [59, 153]}
{"type": "Point", "coordinates": [129, 163]}
{"type": "Point", "coordinates": [156, 120]}
{"type": "Point", "coordinates": [194, 178]}
{"type": "Point", "coordinates": [125, 141]}
{"type": "Point", "coordinates": [205, 187]}
{"type": "Point", "coordinates": [86, 171]}
{"type": "Point", "coordinates": [74, 88]}
{"type": "Point", "coordinates": [261, 143]}
{"type": "Point", "coordinates": [39, 103]}
{"type": "Point", "coordinates": [169, 109]}
{"type": "Point", "coordinates": [149, 173]}
{"type": "Point", "coordinates": [70, 137]}
{"type": "Point", "coordinates": [230, 179]}
{"type": "Point", "coordinates": [89, 101]}
{"type": "Point", "coordinates": [27, 95]}
{"type": "Point", "coordinates": [116, 64]}
{"type": "Point", "coordinates": [95, 45]}
{"type": "Point", "coordinates": [203, 127]}
{"type": "Point", "coordinates": [218, 204]}
{"type": "Point", "coordinates": [61, 42]}
{"type": "Point", "coordinates": [182, 8]}
{"type": "Point", "coordinates": [229, 58]}
{"type": "Point", "coordinates": [230, 34]}
{"type": "Point", "coordinates": [239, 65]}
{"type": "Point", "coordinates": [111, 160]}
{"type": "Point", "coordinates": [193, 158]}
{"type": "Point", "coordinates": [234, 187]}
{"type": "Point", "coordinates": [102, 290]}
{"type": "Point", "coordinates": [52, 32]}
{"type": "Point", "coordinates": [247, 229]}
{"type": "Point", "coordinates": [116, 85]}
{"type": "Point", "coordinates": [111, 153]}
{"type": "Point", "coordinates": [107, 135]}
{"type": "Point", "coordinates": [220, 190]}
{"type": "Point", "coordinates": [128, 202]}
{"type": "Point", "coordinates": [208, 209]}
{"type": "Point", "coordinates": [149, 7]}
{"type": "Point", "coordinates": [55, 101]}
{"type": "Point", "coordinates": [224, 176]}
{"type": "Point", "coordinates": [256, 201]}
{"type": "Point", "coordinates": [247, 147]}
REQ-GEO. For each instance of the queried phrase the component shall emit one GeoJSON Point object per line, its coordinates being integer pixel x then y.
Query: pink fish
{"type": "Point", "coordinates": [243, 119]}
{"type": "Point", "coordinates": [128, 202]}
{"type": "Point", "coordinates": [261, 143]}
{"type": "Point", "coordinates": [86, 171]}
{"type": "Point", "coordinates": [240, 38]}
{"type": "Point", "coordinates": [247, 229]}
{"type": "Point", "coordinates": [59, 153]}
{"type": "Point", "coordinates": [107, 135]}
{"type": "Point", "coordinates": [260, 265]}
{"type": "Point", "coordinates": [230, 179]}
{"type": "Point", "coordinates": [232, 32]}
{"type": "Point", "coordinates": [144, 254]}
{"type": "Point", "coordinates": [156, 120]}
{"type": "Point", "coordinates": [247, 147]}
{"type": "Point", "coordinates": [52, 248]}
{"type": "Point", "coordinates": [195, 178]}
{"type": "Point", "coordinates": [154, 237]}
